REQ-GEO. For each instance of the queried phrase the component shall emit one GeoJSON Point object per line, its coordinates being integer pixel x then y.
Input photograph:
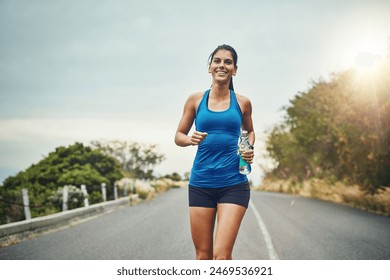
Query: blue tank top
{"type": "Point", "coordinates": [216, 162]}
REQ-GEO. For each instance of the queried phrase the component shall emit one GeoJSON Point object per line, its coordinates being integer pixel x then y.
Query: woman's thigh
{"type": "Point", "coordinates": [229, 219]}
{"type": "Point", "coordinates": [202, 221]}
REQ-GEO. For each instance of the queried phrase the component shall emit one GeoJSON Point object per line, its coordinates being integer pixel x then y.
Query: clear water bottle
{"type": "Point", "coordinates": [244, 145]}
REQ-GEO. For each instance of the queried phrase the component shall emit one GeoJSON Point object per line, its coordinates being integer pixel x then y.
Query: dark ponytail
{"type": "Point", "coordinates": [234, 55]}
{"type": "Point", "coordinates": [231, 84]}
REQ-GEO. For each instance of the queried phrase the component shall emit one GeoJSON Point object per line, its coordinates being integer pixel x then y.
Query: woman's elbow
{"type": "Point", "coordinates": [177, 139]}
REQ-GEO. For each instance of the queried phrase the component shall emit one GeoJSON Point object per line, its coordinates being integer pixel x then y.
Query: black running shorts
{"type": "Point", "coordinates": [211, 197]}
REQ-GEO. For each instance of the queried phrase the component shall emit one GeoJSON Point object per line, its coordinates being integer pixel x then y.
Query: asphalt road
{"type": "Point", "coordinates": [276, 226]}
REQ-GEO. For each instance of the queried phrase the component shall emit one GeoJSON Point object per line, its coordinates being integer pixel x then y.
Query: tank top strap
{"type": "Point", "coordinates": [234, 101]}
{"type": "Point", "coordinates": [203, 102]}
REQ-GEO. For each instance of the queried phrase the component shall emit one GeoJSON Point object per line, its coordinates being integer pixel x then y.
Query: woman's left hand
{"type": "Point", "coordinates": [248, 156]}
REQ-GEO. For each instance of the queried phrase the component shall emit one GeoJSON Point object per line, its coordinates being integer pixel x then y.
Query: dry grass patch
{"type": "Point", "coordinates": [339, 192]}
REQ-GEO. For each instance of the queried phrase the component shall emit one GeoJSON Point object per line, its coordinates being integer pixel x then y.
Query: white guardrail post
{"type": "Point", "coordinates": [115, 191]}
{"type": "Point", "coordinates": [85, 192]}
{"type": "Point", "coordinates": [26, 204]}
{"type": "Point", "coordinates": [65, 192]}
{"type": "Point", "coordinates": [104, 193]}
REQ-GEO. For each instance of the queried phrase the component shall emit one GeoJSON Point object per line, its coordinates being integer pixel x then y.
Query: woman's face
{"type": "Point", "coordinates": [222, 66]}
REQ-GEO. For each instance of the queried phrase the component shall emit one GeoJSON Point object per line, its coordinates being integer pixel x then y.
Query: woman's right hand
{"type": "Point", "coordinates": [197, 137]}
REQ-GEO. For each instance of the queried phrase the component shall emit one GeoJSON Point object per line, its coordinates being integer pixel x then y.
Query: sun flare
{"type": "Point", "coordinates": [363, 49]}
{"type": "Point", "coordinates": [368, 55]}
{"type": "Point", "coordinates": [368, 52]}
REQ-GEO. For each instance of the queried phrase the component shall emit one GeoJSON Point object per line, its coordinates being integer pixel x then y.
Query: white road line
{"type": "Point", "coordinates": [267, 238]}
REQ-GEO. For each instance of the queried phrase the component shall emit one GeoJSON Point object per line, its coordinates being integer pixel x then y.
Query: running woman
{"type": "Point", "coordinates": [217, 191]}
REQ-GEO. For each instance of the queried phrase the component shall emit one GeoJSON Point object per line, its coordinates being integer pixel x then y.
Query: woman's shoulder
{"type": "Point", "coordinates": [195, 97]}
{"type": "Point", "coordinates": [242, 99]}
{"type": "Point", "coordinates": [244, 103]}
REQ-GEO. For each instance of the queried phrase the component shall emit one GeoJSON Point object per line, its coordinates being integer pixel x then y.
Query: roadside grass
{"type": "Point", "coordinates": [147, 190]}
{"type": "Point", "coordinates": [351, 195]}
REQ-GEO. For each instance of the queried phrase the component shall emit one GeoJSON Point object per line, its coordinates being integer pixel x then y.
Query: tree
{"type": "Point", "coordinates": [72, 165]}
{"type": "Point", "coordinates": [339, 128]}
{"type": "Point", "coordinates": [137, 160]}
{"type": "Point", "coordinates": [174, 176]}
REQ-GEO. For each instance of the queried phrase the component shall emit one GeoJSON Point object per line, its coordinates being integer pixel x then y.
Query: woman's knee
{"type": "Point", "coordinates": [220, 254]}
{"type": "Point", "coordinates": [204, 254]}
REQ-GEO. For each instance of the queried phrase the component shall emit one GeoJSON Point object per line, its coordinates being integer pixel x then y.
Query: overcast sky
{"type": "Point", "coordinates": [92, 70]}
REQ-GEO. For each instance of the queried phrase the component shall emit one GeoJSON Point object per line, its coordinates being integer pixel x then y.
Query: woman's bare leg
{"type": "Point", "coordinates": [202, 228]}
{"type": "Point", "coordinates": [229, 219]}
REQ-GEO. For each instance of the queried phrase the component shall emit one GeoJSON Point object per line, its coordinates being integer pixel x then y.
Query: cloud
{"type": "Point", "coordinates": [78, 129]}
